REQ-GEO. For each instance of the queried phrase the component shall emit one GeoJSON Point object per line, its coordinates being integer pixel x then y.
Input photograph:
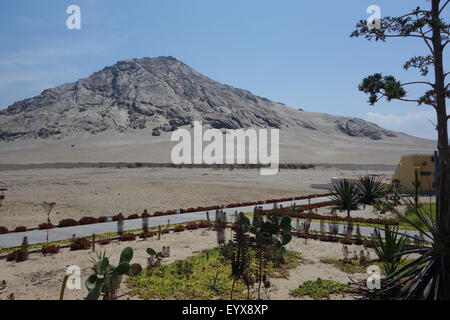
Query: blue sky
{"type": "Point", "coordinates": [295, 52]}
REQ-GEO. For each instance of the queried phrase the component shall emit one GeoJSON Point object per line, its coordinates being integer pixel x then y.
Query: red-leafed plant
{"type": "Point", "coordinates": [45, 226]}
{"type": "Point", "coordinates": [203, 224]}
{"type": "Point", "coordinates": [20, 229]}
{"type": "Point", "coordinates": [179, 229]}
{"type": "Point", "coordinates": [133, 216]}
{"type": "Point", "coordinates": [80, 244]}
{"type": "Point", "coordinates": [88, 220]}
{"type": "Point", "coordinates": [52, 249]}
{"type": "Point", "coordinates": [346, 241]}
{"type": "Point", "coordinates": [325, 238]}
{"type": "Point", "coordinates": [3, 230]}
{"type": "Point", "coordinates": [68, 223]}
{"type": "Point", "coordinates": [148, 234]}
{"type": "Point", "coordinates": [191, 226]}
{"type": "Point", "coordinates": [128, 237]}
{"type": "Point", "coordinates": [118, 217]}
{"type": "Point", "coordinates": [12, 256]}
{"type": "Point", "coordinates": [104, 242]}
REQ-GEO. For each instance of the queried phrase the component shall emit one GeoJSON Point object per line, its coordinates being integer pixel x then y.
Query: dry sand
{"type": "Point", "coordinates": [297, 145]}
{"type": "Point", "coordinates": [40, 277]}
{"type": "Point", "coordinates": [99, 192]}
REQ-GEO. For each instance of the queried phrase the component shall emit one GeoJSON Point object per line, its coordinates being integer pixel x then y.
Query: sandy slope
{"type": "Point", "coordinates": [297, 145]}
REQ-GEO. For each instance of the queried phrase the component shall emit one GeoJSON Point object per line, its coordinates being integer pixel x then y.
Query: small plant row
{"type": "Point", "coordinates": [316, 216]}
{"type": "Point", "coordinates": [92, 220]}
{"type": "Point", "coordinates": [247, 204]}
{"type": "Point", "coordinates": [84, 243]}
{"type": "Point", "coordinates": [346, 240]}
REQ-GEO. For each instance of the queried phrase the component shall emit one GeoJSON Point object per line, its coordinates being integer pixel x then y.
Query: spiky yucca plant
{"type": "Point", "coordinates": [389, 246]}
{"type": "Point", "coordinates": [426, 277]}
{"type": "Point", "coordinates": [370, 189]}
{"type": "Point", "coordinates": [346, 196]}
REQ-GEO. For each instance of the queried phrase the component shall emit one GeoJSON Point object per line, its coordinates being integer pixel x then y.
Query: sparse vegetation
{"type": "Point", "coordinates": [349, 266]}
{"type": "Point", "coordinates": [319, 289]}
{"type": "Point", "coordinates": [204, 276]}
{"type": "Point", "coordinates": [357, 265]}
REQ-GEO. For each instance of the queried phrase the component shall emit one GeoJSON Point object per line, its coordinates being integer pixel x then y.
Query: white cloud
{"type": "Point", "coordinates": [420, 124]}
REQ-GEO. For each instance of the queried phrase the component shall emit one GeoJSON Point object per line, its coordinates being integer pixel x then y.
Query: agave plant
{"type": "Point", "coordinates": [370, 189]}
{"type": "Point", "coordinates": [346, 196]}
{"type": "Point", "coordinates": [428, 276]}
{"type": "Point", "coordinates": [390, 247]}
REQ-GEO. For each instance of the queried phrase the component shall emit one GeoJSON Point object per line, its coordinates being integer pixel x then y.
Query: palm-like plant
{"type": "Point", "coordinates": [426, 277]}
{"type": "Point", "coordinates": [370, 189]}
{"type": "Point", "coordinates": [346, 196]}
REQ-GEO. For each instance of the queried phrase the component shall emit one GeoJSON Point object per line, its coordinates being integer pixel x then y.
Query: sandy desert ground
{"type": "Point", "coordinates": [99, 192]}
{"type": "Point", "coordinates": [40, 277]}
{"type": "Point", "coordinates": [297, 145]}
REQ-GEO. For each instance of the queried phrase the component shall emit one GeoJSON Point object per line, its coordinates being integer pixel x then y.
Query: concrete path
{"type": "Point", "coordinates": [11, 240]}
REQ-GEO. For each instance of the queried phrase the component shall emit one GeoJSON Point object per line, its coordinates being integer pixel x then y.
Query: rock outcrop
{"type": "Point", "coordinates": [161, 94]}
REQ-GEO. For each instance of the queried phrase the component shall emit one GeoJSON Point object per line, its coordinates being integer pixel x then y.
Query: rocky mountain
{"type": "Point", "coordinates": [158, 94]}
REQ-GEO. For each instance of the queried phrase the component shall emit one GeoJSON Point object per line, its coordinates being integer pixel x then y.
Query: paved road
{"type": "Point", "coordinates": [39, 236]}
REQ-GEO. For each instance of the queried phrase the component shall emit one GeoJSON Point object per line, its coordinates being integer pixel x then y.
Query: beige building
{"type": "Point", "coordinates": [424, 165]}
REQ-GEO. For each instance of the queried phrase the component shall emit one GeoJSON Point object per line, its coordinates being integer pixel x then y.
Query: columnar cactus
{"type": "Point", "coordinates": [23, 251]}
{"type": "Point", "coordinates": [145, 217]}
{"type": "Point", "coordinates": [120, 224]}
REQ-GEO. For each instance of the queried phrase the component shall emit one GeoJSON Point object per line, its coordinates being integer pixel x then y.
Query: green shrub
{"type": "Point", "coordinates": [319, 289]}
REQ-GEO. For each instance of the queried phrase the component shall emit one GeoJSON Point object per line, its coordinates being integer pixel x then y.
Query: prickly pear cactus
{"type": "Point", "coordinates": [106, 278]}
